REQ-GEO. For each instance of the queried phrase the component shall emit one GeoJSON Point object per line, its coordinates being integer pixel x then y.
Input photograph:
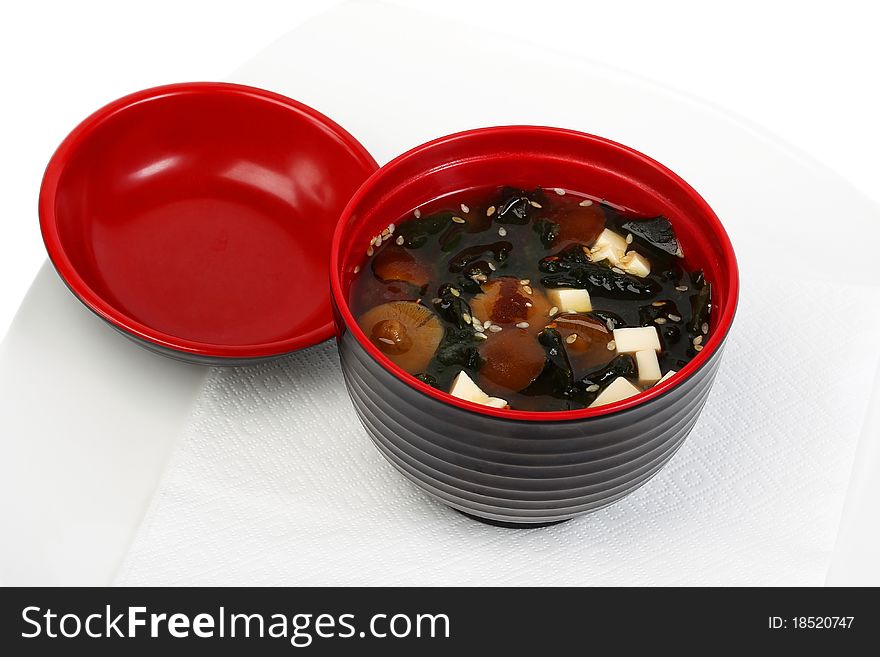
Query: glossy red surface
{"type": "Point", "coordinates": [530, 156]}
{"type": "Point", "coordinates": [199, 217]}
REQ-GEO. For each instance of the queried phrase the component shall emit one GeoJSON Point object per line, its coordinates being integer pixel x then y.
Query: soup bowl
{"type": "Point", "coordinates": [526, 468]}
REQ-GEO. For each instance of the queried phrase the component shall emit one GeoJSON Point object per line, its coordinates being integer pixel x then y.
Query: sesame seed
{"type": "Point", "coordinates": [698, 340]}
{"type": "Point", "coordinates": [585, 203]}
{"type": "Point", "coordinates": [491, 266]}
{"type": "Point", "coordinates": [674, 318]}
{"type": "Point", "coordinates": [658, 304]}
{"type": "Point", "coordinates": [385, 233]}
{"type": "Point", "coordinates": [369, 251]}
{"type": "Point", "coordinates": [495, 328]}
{"type": "Point", "coordinates": [611, 345]}
{"type": "Point", "coordinates": [458, 219]}
{"type": "Point", "coordinates": [592, 388]}
{"type": "Point", "coordinates": [378, 240]}
{"type": "Point", "coordinates": [629, 238]}
{"type": "Point", "coordinates": [386, 340]}
{"type": "Point", "coordinates": [524, 281]}
{"type": "Point", "coordinates": [705, 328]}
{"type": "Point", "coordinates": [502, 231]}
{"type": "Point", "coordinates": [436, 300]}
{"type": "Point", "coordinates": [528, 304]}
{"type": "Point", "coordinates": [399, 241]}
{"type": "Point", "coordinates": [571, 338]}
{"type": "Point", "coordinates": [373, 241]}
{"type": "Point", "coordinates": [479, 328]}
{"type": "Point", "coordinates": [480, 336]}
{"type": "Point", "coordinates": [527, 289]}
{"type": "Point", "coordinates": [681, 288]}
{"type": "Point", "coordinates": [357, 268]}
{"type": "Point", "coordinates": [559, 191]}
{"type": "Point", "coordinates": [391, 228]}
{"type": "Point", "coordinates": [490, 210]}
{"type": "Point", "coordinates": [610, 324]}
{"type": "Point", "coordinates": [617, 270]}
{"type": "Point", "coordinates": [553, 311]}
{"type": "Point", "coordinates": [523, 325]}
{"type": "Point", "coordinates": [660, 320]}
{"type": "Point", "coordinates": [465, 208]}
{"type": "Point", "coordinates": [467, 318]}
{"type": "Point", "coordinates": [454, 292]}
{"type": "Point", "coordinates": [535, 204]}
{"type": "Point", "coordinates": [417, 213]}
{"type": "Point", "coordinates": [487, 323]}
{"type": "Point", "coordinates": [480, 278]}
{"type": "Point", "coordinates": [698, 347]}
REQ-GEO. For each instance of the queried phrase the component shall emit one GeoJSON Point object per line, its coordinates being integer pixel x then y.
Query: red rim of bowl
{"type": "Point", "coordinates": [94, 301]}
{"type": "Point", "coordinates": [724, 321]}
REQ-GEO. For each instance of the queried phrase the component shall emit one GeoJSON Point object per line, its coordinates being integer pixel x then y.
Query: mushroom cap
{"type": "Point", "coordinates": [395, 263]}
{"type": "Point", "coordinates": [578, 224]}
{"type": "Point", "coordinates": [504, 301]}
{"type": "Point", "coordinates": [405, 331]}
{"type": "Point", "coordinates": [589, 349]}
{"type": "Point", "coordinates": [512, 359]}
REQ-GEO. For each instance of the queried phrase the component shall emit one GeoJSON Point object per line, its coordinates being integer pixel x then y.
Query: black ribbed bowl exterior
{"type": "Point", "coordinates": [523, 472]}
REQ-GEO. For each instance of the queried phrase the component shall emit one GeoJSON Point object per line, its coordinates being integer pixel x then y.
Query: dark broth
{"type": "Point", "coordinates": [521, 244]}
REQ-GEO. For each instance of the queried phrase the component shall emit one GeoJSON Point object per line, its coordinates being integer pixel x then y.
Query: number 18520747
{"type": "Point", "coordinates": [810, 622]}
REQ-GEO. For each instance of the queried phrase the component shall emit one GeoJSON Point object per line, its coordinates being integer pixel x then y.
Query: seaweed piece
{"type": "Point", "coordinates": [622, 365]}
{"type": "Point", "coordinates": [457, 351]}
{"type": "Point", "coordinates": [572, 268]}
{"type": "Point", "coordinates": [671, 334]}
{"type": "Point", "coordinates": [557, 378]}
{"type": "Point", "coordinates": [655, 234]}
{"type": "Point", "coordinates": [427, 378]}
{"type": "Point", "coordinates": [516, 206]}
{"type": "Point", "coordinates": [612, 320]}
{"type": "Point", "coordinates": [452, 307]}
{"type": "Point", "coordinates": [547, 231]}
{"type": "Point", "coordinates": [458, 347]}
{"type": "Point", "coordinates": [469, 257]}
{"type": "Point", "coordinates": [659, 310]}
{"type": "Point", "coordinates": [415, 232]}
{"type": "Point", "coordinates": [701, 303]}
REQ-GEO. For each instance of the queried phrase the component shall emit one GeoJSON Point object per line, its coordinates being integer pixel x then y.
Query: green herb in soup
{"type": "Point", "coordinates": [541, 300]}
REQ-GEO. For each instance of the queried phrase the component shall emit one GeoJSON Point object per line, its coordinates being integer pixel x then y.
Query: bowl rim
{"type": "Point", "coordinates": [711, 346]}
{"type": "Point", "coordinates": [108, 311]}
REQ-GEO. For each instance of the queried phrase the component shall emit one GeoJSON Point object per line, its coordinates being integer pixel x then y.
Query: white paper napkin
{"type": "Point", "coordinates": [275, 481]}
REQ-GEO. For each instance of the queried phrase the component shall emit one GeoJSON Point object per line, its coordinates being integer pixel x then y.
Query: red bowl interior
{"type": "Point", "coordinates": [199, 216]}
{"type": "Point", "coordinates": [530, 156]}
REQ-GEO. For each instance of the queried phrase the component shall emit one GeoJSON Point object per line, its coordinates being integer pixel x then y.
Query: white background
{"type": "Point", "coordinates": [805, 70]}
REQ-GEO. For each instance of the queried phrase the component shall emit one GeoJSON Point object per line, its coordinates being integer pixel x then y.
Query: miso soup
{"type": "Point", "coordinates": [540, 300]}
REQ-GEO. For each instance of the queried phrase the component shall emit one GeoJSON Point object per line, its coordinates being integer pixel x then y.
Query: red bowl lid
{"type": "Point", "coordinates": [199, 217]}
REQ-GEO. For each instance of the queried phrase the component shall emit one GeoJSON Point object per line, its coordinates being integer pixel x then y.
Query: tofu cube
{"type": "Point", "coordinates": [608, 246]}
{"type": "Point", "coordinates": [464, 387]}
{"type": "Point", "coordinates": [618, 389]}
{"type": "Point", "coordinates": [636, 264]}
{"type": "Point", "coordinates": [631, 340]}
{"type": "Point", "coordinates": [649, 367]}
{"type": "Point", "coordinates": [570, 300]}
{"type": "Point", "coordinates": [668, 375]}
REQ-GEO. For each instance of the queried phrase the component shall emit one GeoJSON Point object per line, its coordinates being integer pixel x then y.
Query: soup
{"type": "Point", "coordinates": [540, 300]}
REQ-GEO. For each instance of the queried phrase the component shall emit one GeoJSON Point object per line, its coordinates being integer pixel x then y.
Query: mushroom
{"type": "Point", "coordinates": [577, 224]}
{"type": "Point", "coordinates": [512, 359]}
{"type": "Point", "coordinates": [405, 331]}
{"type": "Point", "coordinates": [586, 340]}
{"type": "Point", "coordinates": [395, 263]}
{"type": "Point", "coordinates": [513, 302]}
